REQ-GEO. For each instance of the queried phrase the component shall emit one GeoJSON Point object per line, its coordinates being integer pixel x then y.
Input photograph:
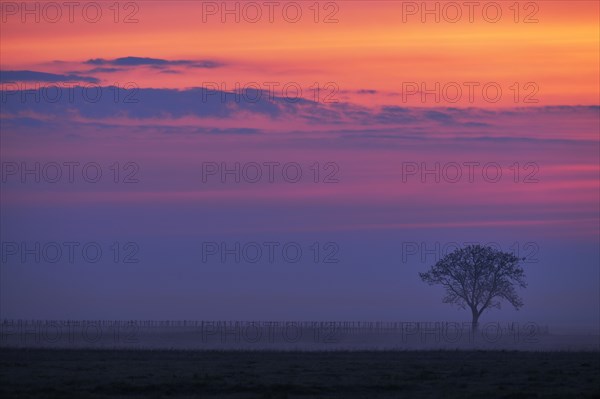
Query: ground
{"type": "Point", "coordinates": [52, 373]}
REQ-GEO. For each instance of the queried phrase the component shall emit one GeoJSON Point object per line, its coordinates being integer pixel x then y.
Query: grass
{"type": "Point", "coordinates": [54, 373]}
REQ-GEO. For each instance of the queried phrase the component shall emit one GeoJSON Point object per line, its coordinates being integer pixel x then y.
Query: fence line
{"type": "Point", "coordinates": [349, 327]}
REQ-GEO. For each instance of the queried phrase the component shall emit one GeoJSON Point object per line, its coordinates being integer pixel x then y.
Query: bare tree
{"type": "Point", "coordinates": [479, 278]}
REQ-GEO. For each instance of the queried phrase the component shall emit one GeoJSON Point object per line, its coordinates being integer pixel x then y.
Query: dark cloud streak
{"type": "Point", "coordinates": [34, 76]}
{"type": "Point", "coordinates": [153, 62]}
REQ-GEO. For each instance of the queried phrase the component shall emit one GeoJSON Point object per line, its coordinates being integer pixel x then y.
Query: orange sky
{"type": "Point", "coordinates": [368, 48]}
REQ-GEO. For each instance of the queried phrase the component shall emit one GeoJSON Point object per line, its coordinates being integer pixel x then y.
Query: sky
{"type": "Point", "coordinates": [295, 160]}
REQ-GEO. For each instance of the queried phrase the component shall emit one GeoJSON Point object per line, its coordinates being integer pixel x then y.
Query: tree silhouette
{"type": "Point", "coordinates": [479, 278]}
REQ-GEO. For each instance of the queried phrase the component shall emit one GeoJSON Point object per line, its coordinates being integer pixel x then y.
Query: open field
{"type": "Point", "coordinates": [54, 373]}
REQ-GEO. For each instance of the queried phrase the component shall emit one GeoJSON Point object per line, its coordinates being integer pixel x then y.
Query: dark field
{"type": "Point", "coordinates": [48, 373]}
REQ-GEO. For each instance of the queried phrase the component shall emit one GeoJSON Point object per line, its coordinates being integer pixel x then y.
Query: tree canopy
{"type": "Point", "coordinates": [478, 277]}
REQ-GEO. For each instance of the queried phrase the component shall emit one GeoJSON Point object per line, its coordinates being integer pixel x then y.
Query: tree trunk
{"type": "Point", "coordinates": [475, 320]}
